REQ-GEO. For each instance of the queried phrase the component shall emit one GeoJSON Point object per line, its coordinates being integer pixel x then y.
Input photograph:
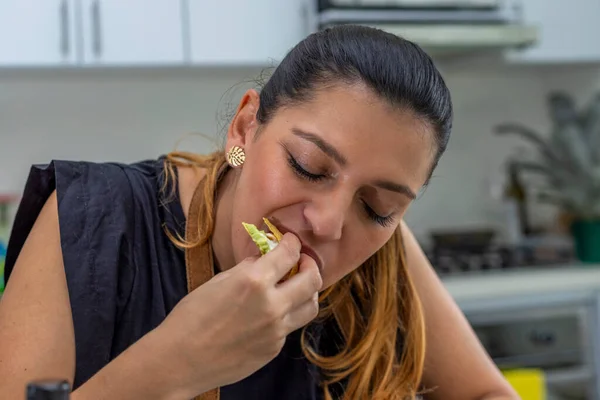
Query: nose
{"type": "Point", "coordinates": [326, 215]}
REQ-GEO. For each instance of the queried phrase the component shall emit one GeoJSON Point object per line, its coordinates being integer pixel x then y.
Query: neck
{"type": "Point", "coordinates": [222, 239]}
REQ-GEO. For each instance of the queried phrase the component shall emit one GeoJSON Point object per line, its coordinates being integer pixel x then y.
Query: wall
{"type": "Point", "coordinates": [130, 115]}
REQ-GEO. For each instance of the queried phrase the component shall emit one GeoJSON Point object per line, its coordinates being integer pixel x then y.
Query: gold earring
{"type": "Point", "coordinates": [236, 156]}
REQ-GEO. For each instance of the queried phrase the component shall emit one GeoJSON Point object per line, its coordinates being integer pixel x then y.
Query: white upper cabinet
{"type": "Point", "coordinates": [37, 32]}
{"type": "Point", "coordinates": [132, 32]}
{"type": "Point", "coordinates": [42, 33]}
{"type": "Point", "coordinates": [244, 32]}
{"type": "Point", "coordinates": [569, 31]}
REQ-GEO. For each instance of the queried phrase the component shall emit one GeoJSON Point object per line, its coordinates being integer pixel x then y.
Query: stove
{"type": "Point", "coordinates": [453, 259]}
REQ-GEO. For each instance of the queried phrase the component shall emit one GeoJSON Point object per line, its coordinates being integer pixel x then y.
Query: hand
{"type": "Point", "coordinates": [237, 322]}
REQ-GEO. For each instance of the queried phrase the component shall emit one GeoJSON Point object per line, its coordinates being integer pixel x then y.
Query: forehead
{"type": "Point", "coordinates": [374, 136]}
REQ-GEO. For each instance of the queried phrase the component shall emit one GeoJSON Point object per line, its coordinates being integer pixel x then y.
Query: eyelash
{"type": "Point", "coordinates": [298, 169]}
{"type": "Point", "coordinates": [373, 216]}
{"type": "Point", "coordinates": [303, 173]}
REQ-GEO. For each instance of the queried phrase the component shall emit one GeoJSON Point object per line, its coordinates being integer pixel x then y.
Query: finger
{"type": "Point", "coordinates": [303, 314]}
{"type": "Point", "coordinates": [302, 286]}
{"type": "Point", "coordinates": [279, 261]}
{"type": "Point", "coordinates": [232, 271]}
{"type": "Point", "coordinates": [222, 276]}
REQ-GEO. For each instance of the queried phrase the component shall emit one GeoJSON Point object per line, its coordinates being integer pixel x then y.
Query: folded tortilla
{"type": "Point", "coordinates": [267, 241]}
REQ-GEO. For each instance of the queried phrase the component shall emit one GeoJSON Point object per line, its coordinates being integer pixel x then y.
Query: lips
{"type": "Point", "coordinates": [306, 249]}
{"type": "Point", "coordinates": [313, 254]}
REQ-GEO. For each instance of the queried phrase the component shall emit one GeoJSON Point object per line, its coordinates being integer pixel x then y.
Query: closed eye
{"type": "Point", "coordinates": [299, 170]}
{"type": "Point", "coordinates": [302, 172]}
{"type": "Point", "coordinates": [384, 221]}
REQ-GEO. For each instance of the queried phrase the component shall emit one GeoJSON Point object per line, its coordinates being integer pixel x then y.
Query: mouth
{"type": "Point", "coordinates": [306, 249]}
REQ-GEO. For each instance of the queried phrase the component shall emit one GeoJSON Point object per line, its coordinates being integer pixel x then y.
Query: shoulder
{"type": "Point", "coordinates": [85, 182]}
{"type": "Point", "coordinates": [420, 269]}
{"type": "Point", "coordinates": [92, 198]}
{"type": "Point", "coordinates": [105, 181]}
{"type": "Point", "coordinates": [96, 200]}
{"type": "Point", "coordinates": [189, 178]}
{"type": "Point", "coordinates": [415, 257]}
{"type": "Point", "coordinates": [91, 187]}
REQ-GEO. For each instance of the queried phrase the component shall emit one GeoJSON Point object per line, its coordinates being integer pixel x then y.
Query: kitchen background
{"type": "Point", "coordinates": [127, 80]}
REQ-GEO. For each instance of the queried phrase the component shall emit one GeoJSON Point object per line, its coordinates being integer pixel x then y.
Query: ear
{"type": "Point", "coordinates": [244, 124]}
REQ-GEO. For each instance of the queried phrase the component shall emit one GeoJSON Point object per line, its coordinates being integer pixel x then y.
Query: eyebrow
{"type": "Point", "coordinates": [396, 187]}
{"type": "Point", "coordinates": [338, 157]}
{"type": "Point", "coordinates": [325, 147]}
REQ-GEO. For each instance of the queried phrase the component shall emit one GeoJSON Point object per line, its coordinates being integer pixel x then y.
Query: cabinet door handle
{"type": "Point", "coordinates": [96, 28]}
{"type": "Point", "coordinates": [64, 28]}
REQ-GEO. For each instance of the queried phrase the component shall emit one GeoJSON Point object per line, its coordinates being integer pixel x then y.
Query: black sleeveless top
{"type": "Point", "coordinates": [124, 275]}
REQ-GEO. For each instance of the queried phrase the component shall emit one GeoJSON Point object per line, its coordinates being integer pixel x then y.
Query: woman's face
{"type": "Point", "coordinates": [338, 171]}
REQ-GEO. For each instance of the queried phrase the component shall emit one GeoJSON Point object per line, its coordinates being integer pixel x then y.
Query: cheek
{"type": "Point", "coordinates": [353, 252]}
{"type": "Point", "coordinates": [273, 184]}
{"type": "Point", "coordinates": [260, 191]}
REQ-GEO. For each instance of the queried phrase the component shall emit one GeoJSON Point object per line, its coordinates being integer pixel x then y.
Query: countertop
{"type": "Point", "coordinates": [524, 282]}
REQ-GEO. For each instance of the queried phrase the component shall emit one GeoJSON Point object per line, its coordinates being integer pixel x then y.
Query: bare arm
{"type": "Point", "coordinates": [36, 328]}
{"type": "Point", "coordinates": [456, 363]}
{"type": "Point", "coordinates": [196, 348]}
{"type": "Point", "coordinates": [37, 337]}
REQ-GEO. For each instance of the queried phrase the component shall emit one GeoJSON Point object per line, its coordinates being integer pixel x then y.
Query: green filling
{"type": "Point", "coordinates": [260, 238]}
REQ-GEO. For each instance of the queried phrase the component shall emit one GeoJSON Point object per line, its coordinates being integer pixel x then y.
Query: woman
{"type": "Point", "coordinates": [333, 150]}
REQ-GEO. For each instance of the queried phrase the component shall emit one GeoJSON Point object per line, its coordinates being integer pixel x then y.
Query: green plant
{"type": "Point", "coordinates": [568, 158]}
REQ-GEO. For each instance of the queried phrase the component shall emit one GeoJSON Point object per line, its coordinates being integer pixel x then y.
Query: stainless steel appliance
{"type": "Point", "coordinates": [464, 252]}
{"type": "Point", "coordinates": [439, 26]}
{"type": "Point", "coordinates": [416, 3]}
{"type": "Point", "coordinates": [555, 332]}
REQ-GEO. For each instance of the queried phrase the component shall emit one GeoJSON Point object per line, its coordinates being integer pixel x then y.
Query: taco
{"type": "Point", "coordinates": [267, 241]}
